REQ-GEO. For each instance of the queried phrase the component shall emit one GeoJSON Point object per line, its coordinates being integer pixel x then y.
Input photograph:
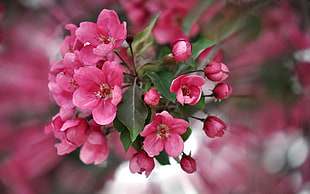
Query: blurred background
{"type": "Point", "coordinates": [265, 44]}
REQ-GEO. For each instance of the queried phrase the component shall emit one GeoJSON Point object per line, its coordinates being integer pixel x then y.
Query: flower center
{"type": "Point", "coordinates": [104, 38]}
{"type": "Point", "coordinates": [186, 91]}
{"type": "Point", "coordinates": [162, 131]}
{"type": "Point", "coordinates": [104, 92]}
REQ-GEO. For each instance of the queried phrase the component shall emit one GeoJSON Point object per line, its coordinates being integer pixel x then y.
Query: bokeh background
{"type": "Point", "coordinates": [266, 45]}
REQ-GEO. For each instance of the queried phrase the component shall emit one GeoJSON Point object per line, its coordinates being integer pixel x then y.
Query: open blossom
{"type": "Point", "coordinates": [141, 162]}
{"type": "Point", "coordinates": [216, 71]}
{"type": "Point", "coordinates": [95, 149]}
{"type": "Point", "coordinates": [181, 50]}
{"type": "Point", "coordinates": [102, 37]}
{"type": "Point", "coordinates": [214, 127]}
{"type": "Point", "coordinates": [72, 133]}
{"type": "Point", "coordinates": [188, 88]}
{"type": "Point", "coordinates": [99, 90]}
{"type": "Point", "coordinates": [164, 133]}
{"type": "Point", "coordinates": [151, 97]}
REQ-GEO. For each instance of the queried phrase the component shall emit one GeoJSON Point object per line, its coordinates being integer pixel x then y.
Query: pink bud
{"type": "Point", "coordinates": [181, 50]}
{"type": "Point", "coordinates": [188, 164]}
{"type": "Point", "coordinates": [141, 162]}
{"type": "Point", "coordinates": [214, 127]}
{"type": "Point", "coordinates": [151, 97]}
{"type": "Point", "coordinates": [216, 71]}
{"type": "Point", "coordinates": [222, 90]}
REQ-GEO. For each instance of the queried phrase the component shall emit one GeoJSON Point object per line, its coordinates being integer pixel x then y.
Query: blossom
{"type": "Point", "coordinates": [188, 164]}
{"type": "Point", "coordinates": [216, 71]}
{"type": "Point", "coordinates": [188, 88]}
{"type": "Point", "coordinates": [151, 97]}
{"type": "Point", "coordinates": [71, 132]}
{"type": "Point", "coordinates": [95, 149]}
{"type": "Point", "coordinates": [181, 50]}
{"type": "Point", "coordinates": [222, 90]}
{"type": "Point", "coordinates": [141, 162]}
{"type": "Point", "coordinates": [164, 133]}
{"type": "Point", "coordinates": [99, 90]}
{"type": "Point", "coordinates": [104, 36]}
{"type": "Point", "coordinates": [214, 127]}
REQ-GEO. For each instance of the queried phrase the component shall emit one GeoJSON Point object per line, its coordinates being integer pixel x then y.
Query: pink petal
{"type": "Point", "coordinates": [178, 126]}
{"type": "Point", "coordinates": [176, 83]}
{"type": "Point", "coordinates": [64, 148]}
{"type": "Point", "coordinates": [88, 57]}
{"type": "Point", "coordinates": [113, 72]}
{"type": "Point", "coordinates": [133, 165]}
{"type": "Point", "coordinates": [89, 76]}
{"type": "Point", "coordinates": [108, 19]}
{"type": "Point", "coordinates": [117, 95]}
{"type": "Point", "coordinates": [87, 32]}
{"type": "Point", "coordinates": [174, 145]}
{"type": "Point", "coordinates": [193, 80]}
{"type": "Point", "coordinates": [180, 97]}
{"type": "Point", "coordinates": [84, 98]}
{"type": "Point", "coordinates": [153, 145]}
{"type": "Point", "coordinates": [104, 113]}
{"type": "Point", "coordinates": [149, 129]}
{"type": "Point", "coordinates": [103, 49]}
{"type": "Point", "coordinates": [70, 123]}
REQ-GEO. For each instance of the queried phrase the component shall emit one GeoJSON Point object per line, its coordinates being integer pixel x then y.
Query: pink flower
{"type": "Point", "coordinates": [214, 127]}
{"type": "Point", "coordinates": [99, 90]}
{"type": "Point", "coordinates": [222, 90]}
{"type": "Point", "coordinates": [70, 44]}
{"type": "Point", "coordinates": [188, 164]}
{"type": "Point", "coordinates": [181, 50]}
{"type": "Point", "coordinates": [218, 56]}
{"type": "Point", "coordinates": [141, 162]}
{"type": "Point", "coordinates": [164, 133]}
{"type": "Point", "coordinates": [151, 97]}
{"type": "Point", "coordinates": [95, 149]}
{"type": "Point", "coordinates": [188, 88]}
{"type": "Point", "coordinates": [72, 133]}
{"type": "Point", "coordinates": [104, 36]}
{"type": "Point", "coordinates": [216, 71]}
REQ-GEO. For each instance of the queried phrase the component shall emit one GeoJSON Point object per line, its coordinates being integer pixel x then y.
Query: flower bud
{"type": "Point", "coordinates": [222, 90]}
{"type": "Point", "coordinates": [141, 162]}
{"type": "Point", "coordinates": [151, 97]}
{"type": "Point", "coordinates": [188, 164]}
{"type": "Point", "coordinates": [216, 71]}
{"type": "Point", "coordinates": [181, 50]}
{"type": "Point", "coordinates": [214, 127]}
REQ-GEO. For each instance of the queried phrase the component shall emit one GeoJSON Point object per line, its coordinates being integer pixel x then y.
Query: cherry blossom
{"type": "Point", "coordinates": [102, 37]}
{"type": "Point", "coordinates": [222, 91]}
{"type": "Point", "coordinates": [151, 97]}
{"type": "Point", "coordinates": [140, 162]}
{"type": "Point", "coordinates": [164, 133]}
{"type": "Point", "coordinates": [188, 164]}
{"type": "Point", "coordinates": [181, 50]}
{"type": "Point", "coordinates": [188, 88]}
{"type": "Point", "coordinates": [216, 71]}
{"type": "Point", "coordinates": [95, 149]}
{"type": "Point", "coordinates": [99, 90]}
{"type": "Point", "coordinates": [214, 127]}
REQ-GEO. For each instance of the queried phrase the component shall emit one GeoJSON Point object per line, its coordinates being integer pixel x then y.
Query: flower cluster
{"type": "Point", "coordinates": [102, 86]}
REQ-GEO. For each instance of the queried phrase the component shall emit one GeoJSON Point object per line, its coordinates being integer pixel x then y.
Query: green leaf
{"type": "Point", "coordinates": [125, 135]}
{"type": "Point", "coordinates": [162, 83]}
{"type": "Point", "coordinates": [132, 111]}
{"type": "Point", "coordinates": [193, 15]}
{"type": "Point", "coordinates": [199, 46]}
{"type": "Point", "coordinates": [144, 39]}
{"type": "Point", "coordinates": [251, 28]}
{"type": "Point", "coordinates": [186, 135]}
{"type": "Point", "coordinates": [163, 158]}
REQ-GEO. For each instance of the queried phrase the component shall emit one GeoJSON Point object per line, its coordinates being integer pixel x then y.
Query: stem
{"type": "Point", "coordinates": [197, 118]}
{"type": "Point", "coordinates": [133, 60]}
{"type": "Point", "coordinates": [194, 71]}
{"type": "Point", "coordinates": [124, 62]}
